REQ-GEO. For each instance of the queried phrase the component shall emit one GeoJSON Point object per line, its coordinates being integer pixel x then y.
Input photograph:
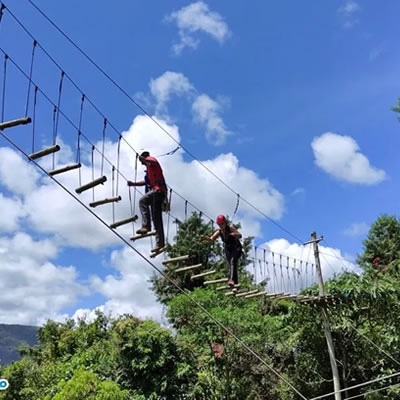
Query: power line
{"type": "Point", "coordinates": [372, 391]}
{"type": "Point", "coordinates": [357, 386]}
{"type": "Point", "coordinates": [215, 320]}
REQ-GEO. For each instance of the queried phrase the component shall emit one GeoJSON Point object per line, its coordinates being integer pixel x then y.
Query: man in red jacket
{"type": "Point", "coordinates": [153, 198]}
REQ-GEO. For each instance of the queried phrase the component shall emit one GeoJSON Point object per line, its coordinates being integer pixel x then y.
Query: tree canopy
{"type": "Point", "coordinates": [195, 358]}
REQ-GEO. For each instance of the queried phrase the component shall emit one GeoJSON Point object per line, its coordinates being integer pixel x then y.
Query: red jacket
{"type": "Point", "coordinates": [155, 175]}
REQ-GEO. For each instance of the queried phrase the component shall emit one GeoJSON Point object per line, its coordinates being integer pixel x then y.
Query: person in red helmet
{"type": "Point", "coordinates": [233, 248]}
{"type": "Point", "coordinates": [156, 191]}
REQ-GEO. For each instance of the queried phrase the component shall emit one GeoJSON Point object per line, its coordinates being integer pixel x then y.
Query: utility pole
{"type": "Point", "coordinates": [325, 321]}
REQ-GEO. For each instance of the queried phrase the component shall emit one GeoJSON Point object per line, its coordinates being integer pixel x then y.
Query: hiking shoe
{"type": "Point", "coordinates": [157, 248]}
{"type": "Point", "coordinates": [231, 283]}
{"type": "Point", "coordinates": [142, 231]}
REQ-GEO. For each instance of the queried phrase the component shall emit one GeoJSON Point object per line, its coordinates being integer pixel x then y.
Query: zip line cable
{"type": "Point", "coordinates": [59, 111]}
{"type": "Point", "coordinates": [215, 320]}
{"type": "Point", "coordinates": [64, 74]}
{"type": "Point", "coordinates": [157, 123]}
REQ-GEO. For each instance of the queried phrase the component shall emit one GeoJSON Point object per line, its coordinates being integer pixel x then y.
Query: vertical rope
{"type": "Point", "coordinates": [3, 106]}
{"type": "Point", "coordinates": [254, 265]}
{"type": "Point", "coordinates": [30, 78]}
{"type": "Point", "coordinates": [78, 145]}
{"type": "Point", "coordinates": [306, 285]}
{"type": "Point", "coordinates": [288, 275]}
{"type": "Point", "coordinates": [134, 193]}
{"type": "Point", "coordinates": [236, 207]}
{"type": "Point", "coordinates": [266, 274]}
{"type": "Point", "coordinates": [276, 278]}
{"type": "Point", "coordinates": [93, 148]}
{"type": "Point", "coordinates": [112, 189]}
{"type": "Point", "coordinates": [54, 132]}
{"type": "Point", "coordinates": [301, 277]}
{"type": "Point", "coordinates": [294, 275]}
{"type": "Point", "coordinates": [283, 286]}
{"type": "Point", "coordinates": [57, 116]}
{"type": "Point", "coordinates": [169, 213]}
{"type": "Point", "coordinates": [1, 11]}
{"type": "Point", "coordinates": [131, 205]}
{"type": "Point", "coordinates": [78, 157]}
{"type": "Point", "coordinates": [186, 209]}
{"type": "Point", "coordinates": [102, 149]}
{"type": "Point", "coordinates": [118, 156]}
{"type": "Point", "coordinates": [58, 106]}
{"type": "Point", "coordinates": [34, 118]}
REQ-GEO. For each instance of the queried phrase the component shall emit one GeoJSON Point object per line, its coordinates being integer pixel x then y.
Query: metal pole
{"type": "Point", "coordinates": [325, 321]}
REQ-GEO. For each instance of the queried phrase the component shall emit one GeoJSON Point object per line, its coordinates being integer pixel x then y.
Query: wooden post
{"type": "Point", "coordinates": [325, 321]}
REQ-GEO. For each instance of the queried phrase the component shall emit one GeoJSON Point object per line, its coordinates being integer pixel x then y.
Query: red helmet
{"type": "Point", "coordinates": [221, 219]}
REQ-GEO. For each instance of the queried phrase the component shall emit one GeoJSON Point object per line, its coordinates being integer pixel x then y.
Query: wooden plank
{"type": "Point", "coordinates": [250, 296]}
{"type": "Point", "coordinates": [156, 253]}
{"type": "Point", "coordinates": [105, 201]}
{"type": "Point", "coordinates": [64, 169]}
{"type": "Point", "coordinates": [216, 281]}
{"type": "Point", "coordinates": [266, 294]}
{"type": "Point", "coordinates": [171, 260]}
{"type": "Point", "coordinates": [98, 181]}
{"type": "Point", "coordinates": [136, 237]}
{"type": "Point", "coordinates": [45, 152]}
{"type": "Point", "coordinates": [203, 274]}
{"type": "Point", "coordinates": [15, 122]}
{"type": "Point", "coordinates": [188, 268]}
{"type": "Point", "coordinates": [124, 222]}
{"type": "Point", "coordinates": [289, 297]}
{"type": "Point", "coordinates": [284, 295]}
{"type": "Point", "coordinates": [227, 287]}
{"type": "Point", "coordinates": [247, 293]}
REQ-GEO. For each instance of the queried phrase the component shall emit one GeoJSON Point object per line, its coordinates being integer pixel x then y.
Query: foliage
{"type": "Point", "coordinates": [210, 255]}
{"type": "Point", "coordinates": [382, 246]}
{"type": "Point", "coordinates": [206, 354]}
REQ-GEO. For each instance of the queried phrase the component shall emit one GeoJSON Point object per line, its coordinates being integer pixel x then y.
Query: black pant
{"type": "Point", "coordinates": [153, 199]}
{"type": "Point", "coordinates": [233, 256]}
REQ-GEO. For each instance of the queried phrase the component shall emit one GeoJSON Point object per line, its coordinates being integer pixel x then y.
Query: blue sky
{"type": "Point", "coordinates": [287, 102]}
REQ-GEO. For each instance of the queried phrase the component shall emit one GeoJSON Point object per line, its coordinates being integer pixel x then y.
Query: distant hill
{"type": "Point", "coordinates": [11, 337]}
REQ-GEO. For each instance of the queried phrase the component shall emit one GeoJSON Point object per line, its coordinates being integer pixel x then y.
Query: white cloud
{"type": "Point", "coordinates": [166, 84]}
{"type": "Point", "coordinates": [290, 276]}
{"type": "Point", "coordinates": [347, 12]}
{"type": "Point", "coordinates": [32, 288]}
{"type": "Point", "coordinates": [340, 157]}
{"type": "Point", "coordinates": [197, 17]}
{"type": "Point", "coordinates": [50, 210]}
{"type": "Point", "coordinates": [357, 229]}
{"type": "Point", "coordinates": [206, 111]}
{"type": "Point", "coordinates": [12, 211]}
{"type": "Point", "coordinates": [130, 291]}
{"type": "Point", "coordinates": [16, 173]}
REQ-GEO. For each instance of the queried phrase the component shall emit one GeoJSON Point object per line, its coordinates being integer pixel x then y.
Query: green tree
{"type": "Point", "coordinates": [382, 246]}
{"type": "Point", "coordinates": [86, 385]}
{"type": "Point", "coordinates": [210, 255]}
